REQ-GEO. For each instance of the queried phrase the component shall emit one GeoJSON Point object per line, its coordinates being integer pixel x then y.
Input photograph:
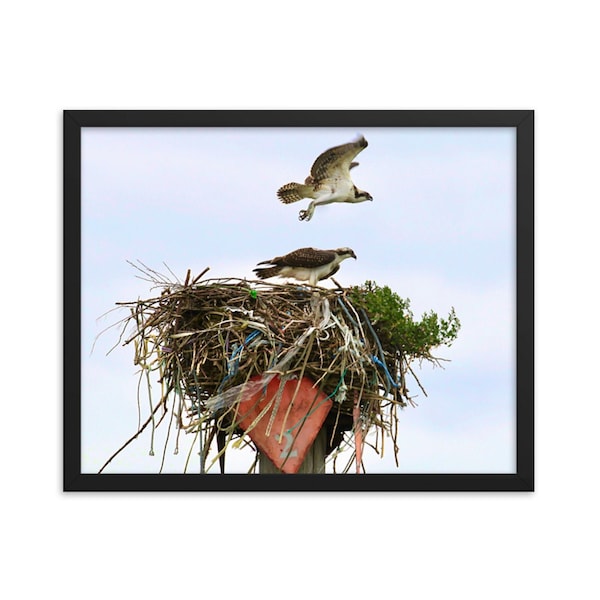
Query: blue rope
{"type": "Point", "coordinates": [233, 363]}
{"type": "Point", "coordinates": [375, 359]}
{"type": "Point", "coordinates": [381, 363]}
{"type": "Point", "coordinates": [345, 309]}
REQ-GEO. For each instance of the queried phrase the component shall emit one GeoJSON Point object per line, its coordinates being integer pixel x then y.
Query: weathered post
{"type": "Point", "coordinates": [314, 461]}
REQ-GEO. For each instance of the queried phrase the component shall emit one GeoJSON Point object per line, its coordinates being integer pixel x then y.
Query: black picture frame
{"type": "Point", "coordinates": [521, 120]}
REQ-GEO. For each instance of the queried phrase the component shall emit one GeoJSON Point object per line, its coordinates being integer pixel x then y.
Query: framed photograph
{"type": "Point", "coordinates": [298, 300]}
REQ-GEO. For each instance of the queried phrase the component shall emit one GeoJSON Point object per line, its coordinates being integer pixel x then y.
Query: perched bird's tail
{"type": "Point", "coordinates": [267, 272]}
{"type": "Point", "coordinates": [292, 192]}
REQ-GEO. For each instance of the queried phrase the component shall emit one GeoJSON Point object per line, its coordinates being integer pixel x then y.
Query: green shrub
{"type": "Point", "coordinates": [395, 325]}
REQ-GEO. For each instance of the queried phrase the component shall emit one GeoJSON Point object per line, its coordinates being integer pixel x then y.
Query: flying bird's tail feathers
{"type": "Point", "coordinates": [292, 192]}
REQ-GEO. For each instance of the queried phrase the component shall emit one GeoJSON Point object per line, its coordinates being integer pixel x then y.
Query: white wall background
{"type": "Point", "coordinates": [155, 55]}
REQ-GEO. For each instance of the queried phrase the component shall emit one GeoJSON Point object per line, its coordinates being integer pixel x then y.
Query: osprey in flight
{"type": "Point", "coordinates": [329, 180]}
{"type": "Point", "coordinates": [305, 264]}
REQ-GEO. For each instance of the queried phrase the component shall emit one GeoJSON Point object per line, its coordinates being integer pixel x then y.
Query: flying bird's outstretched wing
{"type": "Point", "coordinates": [337, 161]}
{"type": "Point", "coordinates": [329, 180]}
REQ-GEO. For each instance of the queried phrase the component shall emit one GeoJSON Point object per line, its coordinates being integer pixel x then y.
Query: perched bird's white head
{"type": "Point", "coordinates": [345, 252]}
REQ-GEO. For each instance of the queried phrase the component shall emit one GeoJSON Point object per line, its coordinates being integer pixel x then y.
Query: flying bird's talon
{"type": "Point", "coordinates": [303, 215]}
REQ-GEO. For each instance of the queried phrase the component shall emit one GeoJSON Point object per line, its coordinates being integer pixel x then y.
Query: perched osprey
{"type": "Point", "coordinates": [305, 264]}
{"type": "Point", "coordinates": [329, 180]}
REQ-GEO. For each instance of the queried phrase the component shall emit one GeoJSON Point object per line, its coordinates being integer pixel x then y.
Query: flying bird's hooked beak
{"type": "Point", "coordinates": [353, 255]}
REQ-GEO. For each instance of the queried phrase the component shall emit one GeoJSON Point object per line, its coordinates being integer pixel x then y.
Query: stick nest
{"type": "Point", "coordinates": [206, 340]}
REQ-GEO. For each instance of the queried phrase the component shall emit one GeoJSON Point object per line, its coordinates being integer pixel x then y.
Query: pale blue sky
{"type": "Point", "coordinates": [440, 231]}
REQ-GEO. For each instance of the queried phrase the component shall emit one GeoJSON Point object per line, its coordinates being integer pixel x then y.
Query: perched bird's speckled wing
{"type": "Point", "coordinates": [303, 257]}
{"type": "Point", "coordinates": [337, 161]}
